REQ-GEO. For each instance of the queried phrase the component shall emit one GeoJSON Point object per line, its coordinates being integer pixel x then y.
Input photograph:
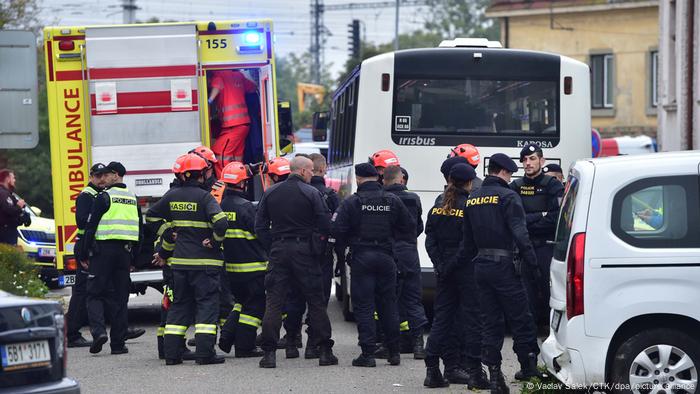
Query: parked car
{"type": "Point", "coordinates": [33, 347]}
{"type": "Point", "coordinates": [625, 276]}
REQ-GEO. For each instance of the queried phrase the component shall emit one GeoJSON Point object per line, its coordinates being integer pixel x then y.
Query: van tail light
{"type": "Point", "coordinates": [574, 276]}
{"type": "Point", "coordinates": [66, 45]}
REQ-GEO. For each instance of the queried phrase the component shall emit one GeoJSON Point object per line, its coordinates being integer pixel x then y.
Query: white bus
{"type": "Point", "coordinates": [420, 103]}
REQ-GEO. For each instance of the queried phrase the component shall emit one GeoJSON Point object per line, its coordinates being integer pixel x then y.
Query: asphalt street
{"type": "Point", "coordinates": [141, 371]}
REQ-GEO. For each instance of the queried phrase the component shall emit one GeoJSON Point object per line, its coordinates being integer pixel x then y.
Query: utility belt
{"type": "Point", "coordinates": [298, 239]}
{"type": "Point", "coordinates": [494, 253]}
{"type": "Point", "coordinates": [128, 245]}
{"type": "Point", "coordinates": [369, 241]}
{"type": "Point", "coordinates": [538, 242]}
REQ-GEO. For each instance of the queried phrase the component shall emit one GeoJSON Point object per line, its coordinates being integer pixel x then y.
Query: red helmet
{"type": "Point", "coordinates": [189, 162]}
{"type": "Point", "coordinates": [234, 173]}
{"type": "Point", "coordinates": [384, 158]}
{"type": "Point", "coordinates": [469, 152]}
{"type": "Point", "coordinates": [278, 166]}
{"type": "Point", "coordinates": [204, 152]}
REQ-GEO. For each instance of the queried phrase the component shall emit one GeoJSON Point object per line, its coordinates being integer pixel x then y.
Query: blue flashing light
{"type": "Point", "coordinates": [251, 38]}
{"type": "Point", "coordinates": [32, 244]}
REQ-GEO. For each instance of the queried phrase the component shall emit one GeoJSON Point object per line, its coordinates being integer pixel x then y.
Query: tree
{"type": "Point", "coordinates": [20, 15]}
{"type": "Point", "coordinates": [461, 18]}
{"type": "Point", "coordinates": [292, 69]}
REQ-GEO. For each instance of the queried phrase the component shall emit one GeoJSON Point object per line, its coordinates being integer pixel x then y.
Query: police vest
{"type": "Point", "coordinates": [121, 221]}
{"type": "Point", "coordinates": [534, 196]}
{"type": "Point", "coordinates": [93, 193]}
{"type": "Point", "coordinates": [375, 218]}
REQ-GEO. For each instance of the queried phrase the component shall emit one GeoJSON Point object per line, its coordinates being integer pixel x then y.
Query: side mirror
{"type": "Point", "coordinates": [319, 128]}
{"type": "Point", "coordinates": [284, 115]}
{"type": "Point", "coordinates": [36, 210]}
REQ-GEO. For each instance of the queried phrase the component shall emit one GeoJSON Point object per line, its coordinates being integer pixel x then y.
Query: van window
{"type": "Point", "coordinates": [658, 213]}
{"type": "Point", "coordinates": [566, 219]}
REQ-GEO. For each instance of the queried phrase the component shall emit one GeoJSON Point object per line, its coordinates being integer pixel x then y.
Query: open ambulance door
{"type": "Point", "coordinates": [143, 100]}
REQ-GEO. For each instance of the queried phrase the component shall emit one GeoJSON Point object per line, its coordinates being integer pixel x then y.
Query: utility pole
{"type": "Point", "coordinates": [396, 26]}
{"type": "Point", "coordinates": [129, 11]}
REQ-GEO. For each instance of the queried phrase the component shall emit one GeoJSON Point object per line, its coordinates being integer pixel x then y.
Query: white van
{"type": "Point", "coordinates": [625, 277]}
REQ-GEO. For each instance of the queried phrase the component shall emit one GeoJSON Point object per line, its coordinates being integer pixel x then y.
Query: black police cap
{"type": "Point", "coordinates": [504, 162]}
{"type": "Point", "coordinates": [552, 168]}
{"type": "Point", "coordinates": [365, 170]}
{"type": "Point", "coordinates": [117, 167]}
{"type": "Point", "coordinates": [451, 162]}
{"type": "Point", "coordinates": [462, 172]}
{"type": "Point", "coordinates": [98, 168]}
{"type": "Point", "coordinates": [528, 150]}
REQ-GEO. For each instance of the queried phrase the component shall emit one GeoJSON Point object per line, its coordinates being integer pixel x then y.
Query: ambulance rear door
{"type": "Point", "coordinates": [143, 100]}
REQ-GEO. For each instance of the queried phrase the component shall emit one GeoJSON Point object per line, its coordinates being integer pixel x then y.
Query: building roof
{"type": "Point", "coordinates": [502, 8]}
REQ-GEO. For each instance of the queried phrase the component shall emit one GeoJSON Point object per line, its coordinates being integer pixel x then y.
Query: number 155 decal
{"type": "Point", "coordinates": [217, 43]}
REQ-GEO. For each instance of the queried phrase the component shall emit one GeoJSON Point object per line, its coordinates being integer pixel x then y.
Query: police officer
{"type": "Point", "coordinates": [288, 215]}
{"type": "Point", "coordinates": [369, 222]}
{"type": "Point", "coordinates": [494, 223]}
{"type": "Point", "coordinates": [77, 307]}
{"type": "Point", "coordinates": [245, 261]}
{"type": "Point", "coordinates": [555, 171]}
{"type": "Point", "coordinates": [411, 311]}
{"type": "Point", "coordinates": [194, 255]}
{"type": "Point", "coordinates": [13, 210]}
{"type": "Point", "coordinates": [456, 306]}
{"type": "Point", "coordinates": [114, 227]}
{"type": "Point", "coordinates": [540, 196]}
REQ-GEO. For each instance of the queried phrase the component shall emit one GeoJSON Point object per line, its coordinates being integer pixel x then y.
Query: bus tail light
{"type": "Point", "coordinates": [568, 85]}
{"type": "Point", "coordinates": [574, 276]}
{"type": "Point", "coordinates": [386, 81]}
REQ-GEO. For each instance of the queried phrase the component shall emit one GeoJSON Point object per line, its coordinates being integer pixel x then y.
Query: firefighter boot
{"type": "Point", "coordinates": [498, 381]}
{"type": "Point", "coordinates": [382, 352]}
{"type": "Point", "coordinates": [394, 355]}
{"type": "Point", "coordinates": [326, 356]}
{"type": "Point", "coordinates": [366, 359]}
{"type": "Point", "coordinates": [161, 351]}
{"type": "Point", "coordinates": [205, 350]}
{"type": "Point", "coordinates": [187, 354]}
{"type": "Point", "coordinates": [225, 342]}
{"type": "Point", "coordinates": [311, 351]}
{"type": "Point", "coordinates": [457, 375]}
{"type": "Point", "coordinates": [433, 376]}
{"type": "Point", "coordinates": [291, 352]}
{"type": "Point", "coordinates": [477, 379]}
{"type": "Point", "coordinates": [528, 367]}
{"type": "Point", "coordinates": [269, 360]}
{"type": "Point", "coordinates": [418, 347]}
{"type": "Point", "coordinates": [254, 352]}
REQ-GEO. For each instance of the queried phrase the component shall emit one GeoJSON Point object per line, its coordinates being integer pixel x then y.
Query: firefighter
{"type": "Point", "coordinates": [77, 307]}
{"type": "Point", "coordinates": [473, 157]}
{"type": "Point", "coordinates": [540, 195]}
{"type": "Point", "coordinates": [277, 170]}
{"type": "Point", "coordinates": [288, 215]}
{"type": "Point", "coordinates": [494, 223]}
{"type": "Point", "coordinates": [369, 222]}
{"type": "Point", "coordinates": [194, 256]}
{"type": "Point", "coordinates": [228, 90]}
{"type": "Point", "coordinates": [114, 227]}
{"type": "Point", "coordinates": [383, 159]}
{"type": "Point", "coordinates": [245, 261]}
{"type": "Point", "coordinates": [411, 311]}
{"type": "Point", "coordinates": [456, 306]}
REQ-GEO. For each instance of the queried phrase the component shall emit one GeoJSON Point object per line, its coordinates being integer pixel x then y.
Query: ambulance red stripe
{"type": "Point", "coordinates": [148, 110]}
{"type": "Point", "coordinates": [143, 72]}
{"type": "Point", "coordinates": [145, 99]}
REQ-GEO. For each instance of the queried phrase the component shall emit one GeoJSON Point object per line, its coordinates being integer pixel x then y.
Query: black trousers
{"type": "Point", "coordinates": [196, 295]}
{"type": "Point", "coordinates": [8, 235]}
{"type": "Point", "coordinates": [373, 288]}
{"type": "Point", "coordinates": [108, 287]}
{"type": "Point", "coordinates": [538, 290]}
{"type": "Point", "coordinates": [457, 323]}
{"type": "Point", "coordinates": [501, 294]}
{"type": "Point", "coordinates": [410, 289]}
{"type": "Point", "coordinates": [77, 315]}
{"type": "Point", "coordinates": [293, 264]}
{"type": "Point", "coordinates": [246, 316]}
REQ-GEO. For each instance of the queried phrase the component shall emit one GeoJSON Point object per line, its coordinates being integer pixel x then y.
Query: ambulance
{"type": "Point", "coordinates": [138, 94]}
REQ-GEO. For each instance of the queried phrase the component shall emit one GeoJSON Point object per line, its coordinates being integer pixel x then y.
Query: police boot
{"type": "Point", "coordinates": [477, 379]}
{"type": "Point", "coordinates": [364, 360]}
{"type": "Point", "coordinates": [456, 375]}
{"type": "Point", "coordinates": [418, 347]}
{"type": "Point", "coordinates": [406, 342]}
{"type": "Point", "coordinates": [394, 355]}
{"type": "Point", "coordinates": [311, 352]}
{"type": "Point", "coordinates": [326, 356]}
{"type": "Point", "coordinates": [528, 367]}
{"type": "Point", "coordinates": [269, 360]}
{"type": "Point", "coordinates": [497, 382]}
{"type": "Point", "coordinates": [291, 352]}
{"type": "Point", "coordinates": [382, 352]}
{"type": "Point", "coordinates": [434, 379]}
{"type": "Point", "coordinates": [161, 350]}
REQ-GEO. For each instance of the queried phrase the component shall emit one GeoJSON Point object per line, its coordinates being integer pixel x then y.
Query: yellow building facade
{"type": "Point", "coordinates": [618, 40]}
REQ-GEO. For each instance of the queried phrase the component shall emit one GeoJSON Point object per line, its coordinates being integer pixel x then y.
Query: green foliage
{"type": "Point", "coordinates": [461, 18]}
{"type": "Point", "coordinates": [295, 68]}
{"type": "Point", "coordinates": [18, 275]}
{"type": "Point", "coordinates": [20, 15]}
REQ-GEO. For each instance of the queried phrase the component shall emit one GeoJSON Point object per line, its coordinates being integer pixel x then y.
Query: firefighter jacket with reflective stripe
{"type": "Point", "coordinates": [233, 86]}
{"type": "Point", "coordinates": [243, 252]}
{"type": "Point", "coordinates": [121, 221]}
{"type": "Point", "coordinates": [194, 216]}
{"type": "Point", "coordinates": [372, 218]}
{"type": "Point", "coordinates": [83, 206]}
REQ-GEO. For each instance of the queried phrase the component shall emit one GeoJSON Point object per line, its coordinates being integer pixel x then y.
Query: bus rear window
{"type": "Point", "coordinates": [475, 107]}
{"type": "Point", "coordinates": [566, 219]}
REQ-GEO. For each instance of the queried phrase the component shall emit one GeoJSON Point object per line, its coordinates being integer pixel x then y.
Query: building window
{"type": "Point", "coordinates": [654, 78]}
{"type": "Point", "coordinates": [602, 88]}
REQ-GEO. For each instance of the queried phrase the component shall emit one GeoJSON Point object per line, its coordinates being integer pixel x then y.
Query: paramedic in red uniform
{"type": "Point", "coordinates": [228, 88]}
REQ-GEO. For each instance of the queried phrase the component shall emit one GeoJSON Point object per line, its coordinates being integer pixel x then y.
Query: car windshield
{"type": "Point", "coordinates": [566, 219]}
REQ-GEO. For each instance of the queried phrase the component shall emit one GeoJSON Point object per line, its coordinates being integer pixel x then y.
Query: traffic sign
{"type": "Point", "coordinates": [596, 143]}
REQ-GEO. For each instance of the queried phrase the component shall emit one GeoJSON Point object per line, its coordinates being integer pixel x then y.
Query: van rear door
{"type": "Point", "coordinates": [143, 100]}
